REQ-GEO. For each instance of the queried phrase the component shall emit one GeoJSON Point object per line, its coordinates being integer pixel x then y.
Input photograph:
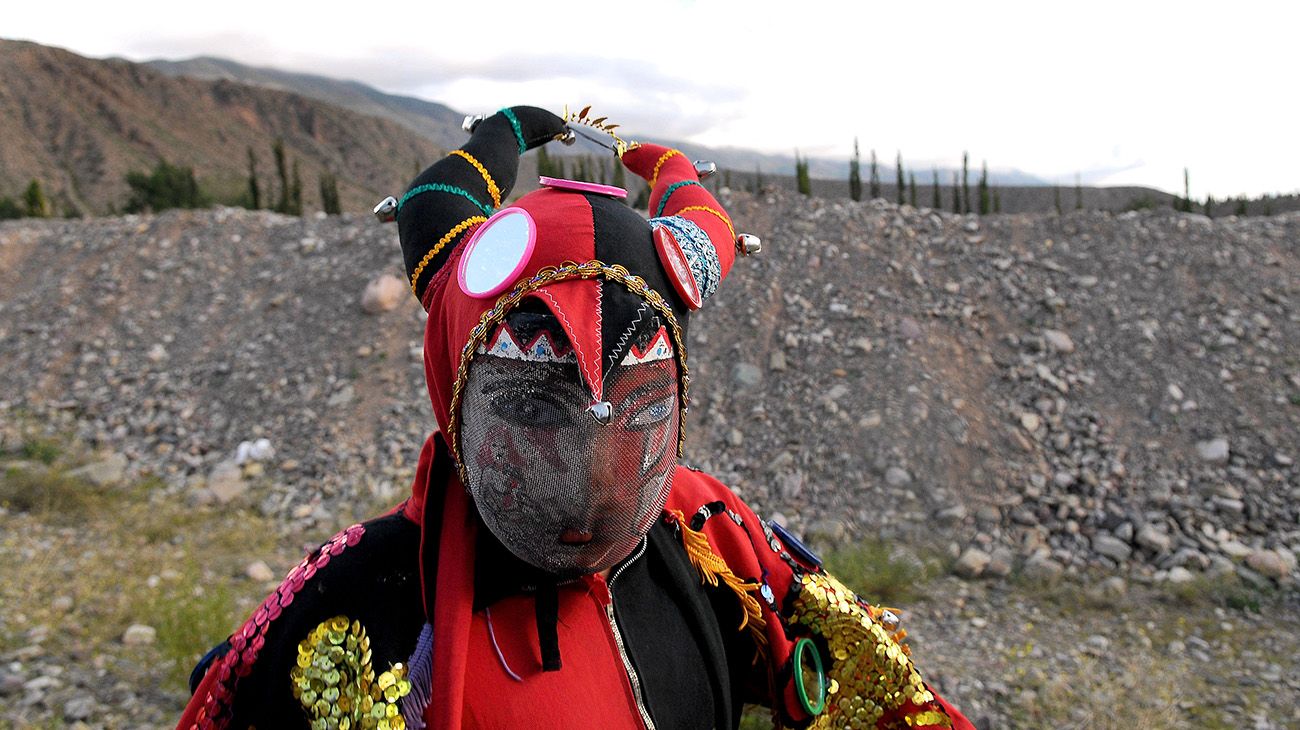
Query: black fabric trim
{"type": "Point", "coordinates": [201, 669]}
{"type": "Point", "coordinates": [547, 611]}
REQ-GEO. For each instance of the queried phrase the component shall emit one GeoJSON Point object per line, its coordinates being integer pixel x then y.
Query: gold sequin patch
{"type": "Point", "coordinates": [336, 683]}
{"type": "Point", "coordinates": [870, 672]}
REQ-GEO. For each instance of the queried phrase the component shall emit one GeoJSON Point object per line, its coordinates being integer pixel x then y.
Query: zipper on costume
{"type": "Point", "coordinates": [632, 676]}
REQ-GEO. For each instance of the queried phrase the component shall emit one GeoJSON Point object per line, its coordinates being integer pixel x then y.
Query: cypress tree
{"type": "Point", "coordinates": [937, 202]}
{"type": "Point", "coordinates": [642, 200]}
{"type": "Point", "coordinates": [1187, 192]}
{"type": "Point", "coordinates": [758, 178]}
{"type": "Point", "coordinates": [956, 193]}
{"type": "Point", "coordinates": [898, 168]}
{"type": "Point", "coordinates": [1241, 207]}
{"type": "Point", "coordinates": [620, 177]}
{"type": "Point", "coordinates": [254, 190]}
{"type": "Point", "coordinates": [295, 192]}
{"type": "Point", "coordinates": [965, 180]}
{"type": "Point", "coordinates": [282, 170]}
{"type": "Point", "coordinates": [875, 177]}
{"type": "Point", "coordinates": [1209, 205]}
{"type": "Point", "coordinates": [329, 194]}
{"type": "Point", "coordinates": [801, 174]}
{"type": "Point", "coordinates": [911, 188]}
{"type": "Point", "coordinates": [984, 190]}
{"type": "Point", "coordinates": [855, 173]}
{"type": "Point", "coordinates": [1078, 192]}
{"type": "Point", "coordinates": [1056, 194]}
{"type": "Point", "coordinates": [34, 203]}
{"type": "Point", "coordinates": [543, 162]}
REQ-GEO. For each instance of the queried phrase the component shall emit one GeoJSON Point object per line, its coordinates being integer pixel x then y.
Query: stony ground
{"type": "Point", "coordinates": [1072, 436]}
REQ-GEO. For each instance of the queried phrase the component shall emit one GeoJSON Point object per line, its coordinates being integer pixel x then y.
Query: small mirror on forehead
{"type": "Point", "coordinates": [580, 186]}
{"type": "Point", "coordinates": [496, 254]}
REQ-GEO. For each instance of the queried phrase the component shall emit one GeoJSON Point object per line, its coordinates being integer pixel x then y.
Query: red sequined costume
{"type": "Point", "coordinates": [422, 618]}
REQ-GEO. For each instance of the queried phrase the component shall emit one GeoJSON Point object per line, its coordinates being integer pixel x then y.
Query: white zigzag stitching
{"type": "Point", "coordinates": [627, 333]}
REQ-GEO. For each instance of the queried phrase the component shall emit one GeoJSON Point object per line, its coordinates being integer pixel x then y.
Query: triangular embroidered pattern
{"type": "Point", "coordinates": [660, 348]}
{"type": "Point", "coordinates": [540, 349]}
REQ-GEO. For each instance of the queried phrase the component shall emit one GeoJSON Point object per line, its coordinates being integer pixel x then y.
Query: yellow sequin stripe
{"type": "Point", "coordinates": [707, 209]}
{"type": "Point", "coordinates": [654, 178]}
{"type": "Point", "coordinates": [335, 682]}
{"type": "Point", "coordinates": [929, 718]}
{"type": "Point", "coordinates": [456, 230]}
{"type": "Point", "coordinates": [567, 271]}
{"type": "Point", "coordinates": [713, 569]}
{"type": "Point", "coordinates": [492, 188]}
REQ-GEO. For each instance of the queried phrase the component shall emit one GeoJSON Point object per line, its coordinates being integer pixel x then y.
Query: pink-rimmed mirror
{"type": "Point", "coordinates": [497, 253]}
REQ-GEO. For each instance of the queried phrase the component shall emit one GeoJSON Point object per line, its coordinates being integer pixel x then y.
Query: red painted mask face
{"type": "Point", "coordinates": [559, 488]}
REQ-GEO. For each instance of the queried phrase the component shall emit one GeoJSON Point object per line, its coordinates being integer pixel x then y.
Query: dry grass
{"type": "Point", "coordinates": [123, 556]}
{"type": "Point", "coordinates": [881, 573]}
{"type": "Point", "coordinates": [1123, 691]}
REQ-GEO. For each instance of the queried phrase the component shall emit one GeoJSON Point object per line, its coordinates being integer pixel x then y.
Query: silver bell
{"type": "Point", "coordinates": [602, 411]}
{"type": "Point", "coordinates": [471, 122]}
{"type": "Point", "coordinates": [568, 138]}
{"type": "Point", "coordinates": [748, 245]}
{"type": "Point", "coordinates": [704, 168]}
{"type": "Point", "coordinates": [386, 211]}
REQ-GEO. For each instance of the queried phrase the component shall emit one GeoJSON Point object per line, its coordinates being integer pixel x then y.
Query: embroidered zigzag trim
{"type": "Point", "coordinates": [627, 333]}
{"type": "Point", "coordinates": [247, 643]}
{"type": "Point", "coordinates": [540, 349]}
{"type": "Point", "coordinates": [713, 569]}
{"type": "Point", "coordinates": [658, 349]}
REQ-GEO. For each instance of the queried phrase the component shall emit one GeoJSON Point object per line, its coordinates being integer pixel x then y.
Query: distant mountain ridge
{"type": "Point", "coordinates": [79, 125]}
{"type": "Point", "coordinates": [441, 124]}
{"type": "Point", "coordinates": [436, 122]}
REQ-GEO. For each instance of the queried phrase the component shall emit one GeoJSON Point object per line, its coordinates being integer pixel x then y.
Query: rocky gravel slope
{"type": "Point", "coordinates": [1032, 396]}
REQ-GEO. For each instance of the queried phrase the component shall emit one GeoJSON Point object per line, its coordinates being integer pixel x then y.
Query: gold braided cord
{"type": "Point", "coordinates": [456, 230]}
{"type": "Point", "coordinates": [654, 178]}
{"type": "Point", "coordinates": [714, 211]}
{"type": "Point", "coordinates": [549, 275]}
{"type": "Point", "coordinates": [713, 568]}
{"type": "Point", "coordinates": [492, 188]}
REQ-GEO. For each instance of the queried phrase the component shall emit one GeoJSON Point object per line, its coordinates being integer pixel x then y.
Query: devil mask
{"type": "Point", "coordinates": [555, 344]}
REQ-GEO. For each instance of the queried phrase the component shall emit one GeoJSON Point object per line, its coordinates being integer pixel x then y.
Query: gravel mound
{"type": "Point", "coordinates": [1054, 393]}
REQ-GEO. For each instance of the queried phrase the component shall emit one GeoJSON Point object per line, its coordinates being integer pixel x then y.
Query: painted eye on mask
{"type": "Point", "coordinates": [531, 410]}
{"type": "Point", "coordinates": [653, 413]}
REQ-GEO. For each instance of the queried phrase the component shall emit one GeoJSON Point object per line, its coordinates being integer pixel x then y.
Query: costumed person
{"type": "Point", "coordinates": [555, 566]}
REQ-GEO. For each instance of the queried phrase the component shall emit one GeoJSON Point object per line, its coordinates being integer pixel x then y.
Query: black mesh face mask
{"type": "Point", "coordinates": [561, 489]}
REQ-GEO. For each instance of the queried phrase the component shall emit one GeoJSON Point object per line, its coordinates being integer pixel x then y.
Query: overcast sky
{"type": "Point", "coordinates": [1117, 92]}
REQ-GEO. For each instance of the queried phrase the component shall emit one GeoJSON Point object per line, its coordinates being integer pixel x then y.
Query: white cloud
{"type": "Point", "coordinates": [1120, 92]}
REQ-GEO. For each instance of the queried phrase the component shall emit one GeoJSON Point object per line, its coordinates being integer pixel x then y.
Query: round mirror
{"type": "Point", "coordinates": [497, 252]}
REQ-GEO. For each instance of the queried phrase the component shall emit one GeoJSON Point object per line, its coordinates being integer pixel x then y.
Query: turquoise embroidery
{"type": "Point", "coordinates": [519, 132]}
{"type": "Point", "coordinates": [440, 188]}
{"type": "Point", "coordinates": [669, 193]}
